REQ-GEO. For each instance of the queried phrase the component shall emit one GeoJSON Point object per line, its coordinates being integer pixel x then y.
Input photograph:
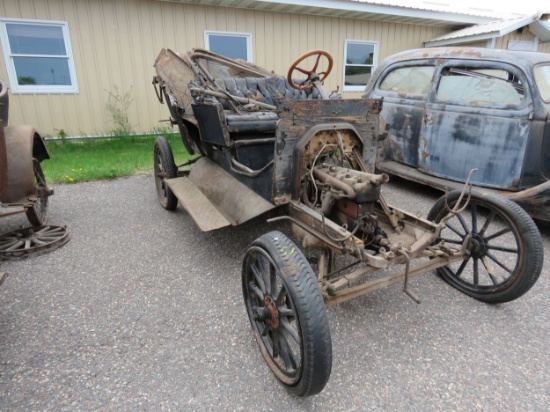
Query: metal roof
{"type": "Point", "coordinates": [396, 11]}
{"type": "Point", "coordinates": [540, 28]}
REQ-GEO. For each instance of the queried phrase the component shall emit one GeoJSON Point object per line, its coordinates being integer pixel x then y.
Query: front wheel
{"type": "Point", "coordinates": [165, 168]}
{"type": "Point", "coordinates": [287, 313]}
{"type": "Point", "coordinates": [505, 252]}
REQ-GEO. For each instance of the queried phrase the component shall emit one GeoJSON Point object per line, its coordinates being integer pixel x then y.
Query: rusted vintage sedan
{"type": "Point", "coordinates": [450, 110]}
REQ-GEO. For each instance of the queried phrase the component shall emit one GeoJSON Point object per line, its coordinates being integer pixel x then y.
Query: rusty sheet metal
{"type": "Point", "coordinates": [175, 72]}
{"type": "Point", "coordinates": [235, 201]}
{"type": "Point", "coordinates": [405, 122]}
{"type": "Point", "coordinates": [454, 143]}
{"type": "Point", "coordinates": [302, 120]}
{"type": "Point", "coordinates": [204, 213]}
{"type": "Point", "coordinates": [21, 183]}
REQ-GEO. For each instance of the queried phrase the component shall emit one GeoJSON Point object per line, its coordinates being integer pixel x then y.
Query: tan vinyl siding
{"type": "Point", "coordinates": [116, 43]}
{"type": "Point", "coordinates": [502, 42]}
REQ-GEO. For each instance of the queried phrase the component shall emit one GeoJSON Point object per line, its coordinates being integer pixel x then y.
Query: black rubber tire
{"type": "Point", "coordinates": [301, 331]}
{"type": "Point", "coordinates": [502, 232]}
{"type": "Point", "coordinates": [164, 168]}
{"type": "Point", "coordinates": [37, 215]}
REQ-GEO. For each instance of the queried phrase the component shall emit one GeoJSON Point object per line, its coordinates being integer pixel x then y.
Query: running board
{"type": "Point", "coordinates": [215, 199]}
{"type": "Point", "coordinates": [203, 212]}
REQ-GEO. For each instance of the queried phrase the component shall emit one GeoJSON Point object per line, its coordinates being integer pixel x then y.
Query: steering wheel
{"type": "Point", "coordinates": [312, 75]}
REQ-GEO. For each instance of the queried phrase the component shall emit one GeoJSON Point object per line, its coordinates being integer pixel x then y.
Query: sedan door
{"type": "Point", "coordinates": [404, 88]}
{"type": "Point", "coordinates": [477, 116]}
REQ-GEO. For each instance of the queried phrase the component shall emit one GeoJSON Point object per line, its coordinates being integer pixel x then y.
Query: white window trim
{"type": "Point", "coordinates": [8, 58]}
{"type": "Point", "coordinates": [374, 64]}
{"type": "Point", "coordinates": [247, 36]}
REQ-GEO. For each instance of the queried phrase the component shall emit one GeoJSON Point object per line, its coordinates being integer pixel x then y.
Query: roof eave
{"type": "Point", "coordinates": [541, 29]}
{"type": "Point", "coordinates": [357, 10]}
{"type": "Point", "coordinates": [461, 40]}
{"type": "Point", "coordinates": [458, 39]}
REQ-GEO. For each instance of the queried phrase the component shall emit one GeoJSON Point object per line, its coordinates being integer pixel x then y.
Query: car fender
{"type": "Point", "coordinates": [23, 143]}
{"type": "Point", "coordinates": [535, 200]}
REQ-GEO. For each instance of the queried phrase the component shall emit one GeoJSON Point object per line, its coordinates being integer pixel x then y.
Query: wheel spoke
{"type": "Point", "coordinates": [287, 312]}
{"type": "Point", "coordinates": [499, 233]}
{"type": "Point", "coordinates": [256, 290]}
{"type": "Point", "coordinates": [16, 246]}
{"type": "Point", "coordinates": [463, 223]}
{"type": "Point", "coordinates": [461, 267]}
{"type": "Point", "coordinates": [275, 343]}
{"type": "Point", "coordinates": [488, 222]}
{"type": "Point", "coordinates": [474, 217]}
{"type": "Point", "coordinates": [9, 242]}
{"type": "Point", "coordinates": [494, 259]}
{"type": "Point", "coordinates": [287, 329]}
{"type": "Point", "coordinates": [286, 353]}
{"type": "Point", "coordinates": [280, 300]}
{"type": "Point", "coordinates": [476, 271]}
{"type": "Point", "coordinates": [504, 249]}
{"type": "Point", "coordinates": [265, 274]}
{"type": "Point", "coordinates": [258, 277]}
{"type": "Point", "coordinates": [489, 270]}
{"type": "Point", "coordinates": [455, 230]}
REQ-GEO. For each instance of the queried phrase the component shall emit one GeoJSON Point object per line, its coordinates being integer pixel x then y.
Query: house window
{"type": "Point", "coordinates": [229, 44]}
{"type": "Point", "coordinates": [38, 56]}
{"type": "Point", "coordinates": [360, 60]}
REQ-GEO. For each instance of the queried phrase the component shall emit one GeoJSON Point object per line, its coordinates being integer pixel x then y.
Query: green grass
{"type": "Point", "coordinates": [104, 158]}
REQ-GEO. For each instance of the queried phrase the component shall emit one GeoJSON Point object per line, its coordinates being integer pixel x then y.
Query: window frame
{"type": "Point", "coordinates": [15, 87]}
{"type": "Point", "coordinates": [247, 36]}
{"type": "Point", "coordinates": [359, 88]}
{"type": "Point", "coordinates": [409, 64]}
{"type": "Point", "coordinates": [481, 65]}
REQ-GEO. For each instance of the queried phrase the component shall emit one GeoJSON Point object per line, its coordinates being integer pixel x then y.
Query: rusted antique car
{"type": "Point", "coordinates": [23, 188]}
{"type": "Point", "coordinates": [453, 109]}
{"type": "Point", "coordinates": [286, 148]}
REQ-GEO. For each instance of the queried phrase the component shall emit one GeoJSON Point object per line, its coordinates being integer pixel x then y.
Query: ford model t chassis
{"type": "Point", "coordinates": [274, 144]}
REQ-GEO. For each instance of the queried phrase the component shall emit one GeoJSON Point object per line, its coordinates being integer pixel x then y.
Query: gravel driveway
{"type": "Point", "coordinates": [141, 311]}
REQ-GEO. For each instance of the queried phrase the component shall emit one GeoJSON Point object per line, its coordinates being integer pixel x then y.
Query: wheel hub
{"type": "Point", "coordinates": [478, 246]}
{"type": "Point", "coordinates": [268, 312]}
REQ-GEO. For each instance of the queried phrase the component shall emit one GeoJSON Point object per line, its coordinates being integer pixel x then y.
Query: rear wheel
{"type": "Point", "coordinates": [287, 313]}
{"type": "Point", "coordinates": [38, 213]}
{"type": "Point", "coordinates": [165, 168]}
{"type": "Point", "coordinates": [505, 250]}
